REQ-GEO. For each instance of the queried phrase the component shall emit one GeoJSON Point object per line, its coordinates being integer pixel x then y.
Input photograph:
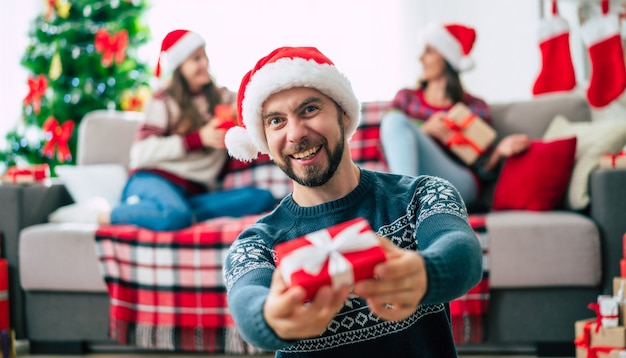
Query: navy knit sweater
{"type": "Point", "coordinates": [424, 214]}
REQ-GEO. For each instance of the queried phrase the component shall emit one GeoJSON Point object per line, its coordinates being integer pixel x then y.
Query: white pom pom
{"type": "Point", "coordinates": [465, 64]}
{"type": "Point", "coordinates": [239, 144]}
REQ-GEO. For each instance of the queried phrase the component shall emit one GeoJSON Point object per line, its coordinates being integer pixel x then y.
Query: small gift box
{"type": "Point", "coordinates": [4, 295]}
{"type": "Point", "coordinates": [607, 309]}
{"type": "Point", "coordinates": [613, 160]}
{"type": "Point", "coordinates": [226, 116]}
{"type": "Point", "coordinates": [7, 341]}
{"type": "Point", "coordinates": [594, 341]}
{"type": "Point", "coordinates": [336, 256]}
{"type": "Point", "coordinates": [472, 135]}
{"type": "Point", "coordinates": [30, 174]}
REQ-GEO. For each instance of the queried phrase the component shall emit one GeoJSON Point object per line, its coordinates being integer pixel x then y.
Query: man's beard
{"type": "Point", "coordinates": [314, 175]}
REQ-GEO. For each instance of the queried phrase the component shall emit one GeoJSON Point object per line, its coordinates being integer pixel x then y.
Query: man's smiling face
{"type": "Point", "coordinates": [305, 134]}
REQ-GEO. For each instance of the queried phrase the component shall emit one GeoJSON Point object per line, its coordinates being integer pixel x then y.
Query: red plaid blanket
{"type": "Point", "coordinates": [469, 311]}
{"type": "Point", "coordinates": [166, 288]}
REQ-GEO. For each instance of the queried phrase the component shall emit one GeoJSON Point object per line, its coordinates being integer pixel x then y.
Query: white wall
{"type": "Point", "coordinates": [14, 22]}
{"type": "Point", "coordinates": [372, 41]}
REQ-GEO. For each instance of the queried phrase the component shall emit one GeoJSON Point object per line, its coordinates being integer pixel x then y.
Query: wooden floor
{"type": "Point", "coordinates": [124, 355]}
{"type": "Point", "coordinates": [103, 352]}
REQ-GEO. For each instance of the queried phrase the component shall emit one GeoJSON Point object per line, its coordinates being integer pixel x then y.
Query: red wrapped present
{"type": "Point", "coordinates": [613, 160]}
{"type": "Point", "coordinates": [226, 116]}
{"type": "Point", "coordinates": [472, 135]}
{"type": "Point", "coordinates": [4, 295]}
{"type": "Point", "coordinates": [597, 342]}
{"type": "Point", "coordinates": [28, 174]}
{"type": "Point", "coordinates": [336, 256]}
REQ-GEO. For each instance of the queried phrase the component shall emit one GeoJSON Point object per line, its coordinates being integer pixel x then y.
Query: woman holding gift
{"type": "Point", "coordinates": [414, 133]}
{"type": "Point", "coordinates": [179, 150]}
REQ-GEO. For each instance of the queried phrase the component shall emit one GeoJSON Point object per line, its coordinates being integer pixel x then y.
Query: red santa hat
{"type": "Point", "coordinates": [453, 41]}
{"type": "Point", "coordinates": [284, 68]}
{"type": "Point", "coordinates": [175, 48]}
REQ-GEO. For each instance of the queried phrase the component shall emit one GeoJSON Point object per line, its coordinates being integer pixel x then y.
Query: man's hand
{"type": "Point", "coordinates": [399, 285]}
{"type": "Point", "coordinates": [291, 318]}
{"type": "Point", "coordinates": [212, 136]}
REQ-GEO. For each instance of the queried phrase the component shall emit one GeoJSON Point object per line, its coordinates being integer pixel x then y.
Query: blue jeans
{"type": "Point", "coordinates": [409, 151]}
{"type": "Point", "coordinates": [152, 202]}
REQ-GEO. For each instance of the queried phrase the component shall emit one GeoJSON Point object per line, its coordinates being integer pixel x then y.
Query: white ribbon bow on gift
{"type": "Point", "coordinates": [311, 258]}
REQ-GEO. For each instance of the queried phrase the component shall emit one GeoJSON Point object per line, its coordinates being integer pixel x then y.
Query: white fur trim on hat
{"type": "Point", "coordinates": [288, 73]}
{"type": "Point", "coordinates": [180, 51]}
{"type": "Point", "coordinates": [447, 45]}
{"type": "Point", "coordinates": [239, 144]}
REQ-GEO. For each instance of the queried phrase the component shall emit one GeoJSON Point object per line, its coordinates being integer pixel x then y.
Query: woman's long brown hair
{"type": "Point", "coordinates": [190, 118]}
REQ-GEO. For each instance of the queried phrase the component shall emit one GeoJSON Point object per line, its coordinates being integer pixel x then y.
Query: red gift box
{"type": "Point", "coordinates": [472, 135]}
{"type": "Point", "coordinates": [336, 256]}
{"type": "Point", "coordinates": [4, 295]}
{"type": "Point", "coordinates": [28, 174]}
{"type": "Point", "coordinates": [613, 160]}
{"type": "Point", "coordinates": [225, 114]}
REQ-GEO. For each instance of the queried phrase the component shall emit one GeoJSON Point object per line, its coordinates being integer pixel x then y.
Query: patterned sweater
{"type": "Point", "coordinates": [424, 214]}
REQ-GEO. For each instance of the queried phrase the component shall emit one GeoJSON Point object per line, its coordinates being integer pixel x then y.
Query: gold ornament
{"type": "Point", "coordinates": [56, 68]}
{"type": "Point", "coordinates": [63, 8]}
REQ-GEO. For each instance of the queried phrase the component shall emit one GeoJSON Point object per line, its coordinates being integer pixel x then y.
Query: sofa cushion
{"type": "Point", "coordinates": [536, 179]}
{"type": "Point", "coordinates": [533, 116]}
{"type": "Point", "coordinates": [86, 182]}
{"type": "Point", "coordinates": [593, 140]}
{"type": "Point", "coordinates": [543, 249]}
{"type": "Point", "coordinates": [95, 134]}
{"type": "Point", "coordinates": [59, 257]}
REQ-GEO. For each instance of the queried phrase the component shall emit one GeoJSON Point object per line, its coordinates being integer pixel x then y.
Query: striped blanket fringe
{"type": "Point", "coordinates": [225, 340]}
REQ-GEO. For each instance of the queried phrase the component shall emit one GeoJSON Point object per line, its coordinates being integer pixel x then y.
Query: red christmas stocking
{"type": "Point", "coordinates": [557, 69]}
{"type": "Point", "coordinates": [608, 72]}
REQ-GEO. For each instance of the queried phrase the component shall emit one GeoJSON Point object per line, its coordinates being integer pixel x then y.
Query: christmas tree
{"type": "Point", "coordinates": [82, 57]}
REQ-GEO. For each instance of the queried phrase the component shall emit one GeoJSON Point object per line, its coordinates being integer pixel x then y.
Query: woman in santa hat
{"type": "Point", "coordinates": [413, 132]}
{"type": "Point", "coordinates": [179, 150]}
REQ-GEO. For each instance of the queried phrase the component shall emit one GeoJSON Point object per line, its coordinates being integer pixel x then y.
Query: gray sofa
{"type": "Point", "coordinates": [545, 267]}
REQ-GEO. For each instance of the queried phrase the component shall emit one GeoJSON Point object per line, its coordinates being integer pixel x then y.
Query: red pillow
{"type": "Point", "coordinates": [536, 179]}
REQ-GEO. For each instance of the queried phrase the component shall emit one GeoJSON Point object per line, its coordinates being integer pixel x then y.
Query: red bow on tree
{"type": "Point", "coordinates": [50, 9]}
{"type": "Point", "coordinates": [111, 46]}
{"type": "Point", "coordinates": [58, 135]}
{"type": "Point", "coordinates": [36, 89]}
